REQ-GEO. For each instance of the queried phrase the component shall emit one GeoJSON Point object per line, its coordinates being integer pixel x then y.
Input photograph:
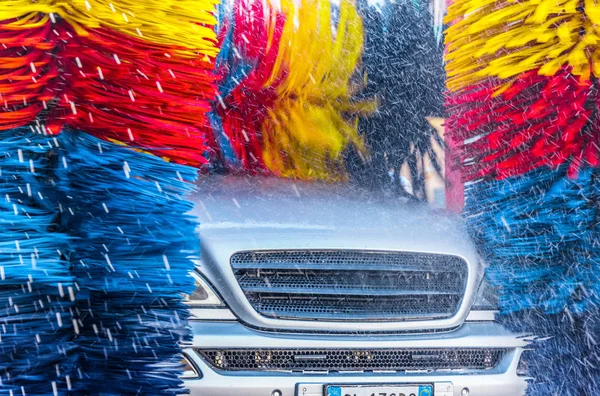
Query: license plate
{"type": "Point", "coordinates": [382, 390]}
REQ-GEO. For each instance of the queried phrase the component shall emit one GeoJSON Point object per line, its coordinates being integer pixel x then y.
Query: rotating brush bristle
{"type": "Point", "coordinates": [131, 247]}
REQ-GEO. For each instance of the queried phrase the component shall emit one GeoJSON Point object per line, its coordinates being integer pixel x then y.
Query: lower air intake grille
{"type": "Point", "coordinates": [353, 360]}
{"type": "Point", "coordinates": [351, 285]}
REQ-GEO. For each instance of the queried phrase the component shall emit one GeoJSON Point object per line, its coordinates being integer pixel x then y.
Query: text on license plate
{"type": "Point", "coordinates": [386, 390]}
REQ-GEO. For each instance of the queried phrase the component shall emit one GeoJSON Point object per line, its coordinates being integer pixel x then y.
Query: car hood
{"type": "Point", "coordinates": [230, 205]}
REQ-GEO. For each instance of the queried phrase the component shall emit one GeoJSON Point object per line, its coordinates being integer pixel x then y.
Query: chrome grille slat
{"type": "Point", "coordinates": [351, 285]}
{"type": "Point", "coordinates": [338, 266]}
{"type": "Point", "coordinates": [327, 279]}
{"type": "Point", "coordinates": [356, 360]}
{"type": "Point", "coordinates": [331, 307]}
{"type": "Point", "coordinates": [345, 291]}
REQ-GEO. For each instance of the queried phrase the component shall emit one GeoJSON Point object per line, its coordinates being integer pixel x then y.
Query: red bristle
{"type": "Point", "coordinates": [142, 94]}
{"type": "Point", "coordinates": [537, 121]}
{"type": "Point", "coordinates": [256, 36]}
{"type": "Point", "coordinates": [28, 72]}
{"type": "Point", "coordinates": [113, 86]}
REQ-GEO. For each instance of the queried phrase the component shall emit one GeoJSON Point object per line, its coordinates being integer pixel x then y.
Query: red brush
{"type": "Point", "coordinates": [136, 92]}
{"type": "Point", "coordinates": [111, 85]}
{"type": "Point", "coordinates": [28, 72]}
{"type": "Point", "coordinates": [537, 121]}
{"type": "Point", "coordinates": [253, 52]}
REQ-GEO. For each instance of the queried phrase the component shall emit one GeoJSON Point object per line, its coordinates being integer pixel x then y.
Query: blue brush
{"type": "Point", "coordinates": [539, 234]}
{"type": "Point", "coordinates": [36, 287]}
{"type": "Point", "coordinates": [131, 249]}
{"type": "Point", "coordinates": [564, 357]}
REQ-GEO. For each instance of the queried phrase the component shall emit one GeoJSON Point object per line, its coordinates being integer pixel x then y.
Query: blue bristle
{"type": "Point", "coordinates": [131, 255]}
{"type": "Point", "coordinates": [229, 158]}
{"type": "Point", "coordinates": [233, 69]}
{"type": "Point", "coordinates": [564, 357]}
{"type": "Point", "coordinates": [236, 68]}
{"type": "Point", "coordinates": [36, 330]}
{"type": "Point", "coordinates": [537, 233]}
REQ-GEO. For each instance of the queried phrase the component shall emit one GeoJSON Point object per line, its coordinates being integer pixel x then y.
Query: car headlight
{"type": "Point", "coordinates": [189, 369]}
{"type": "Point", "coordinates": [204, 296]}
{"type": "Point", "coordinates": [522, 369]}
{"type": "Point", "coordinates": [487, 297]}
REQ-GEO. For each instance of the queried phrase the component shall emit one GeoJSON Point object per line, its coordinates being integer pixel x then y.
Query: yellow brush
{"type": "Point", "coordinates": [309, 125]}
{"type": "Point", "coordinates": [179, 23]}
{"type": "Point", "coordinates": [502, 39]}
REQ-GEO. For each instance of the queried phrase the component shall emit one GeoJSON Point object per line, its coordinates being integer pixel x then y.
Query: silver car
{"type": "Point", "coordinates": [311, 289]}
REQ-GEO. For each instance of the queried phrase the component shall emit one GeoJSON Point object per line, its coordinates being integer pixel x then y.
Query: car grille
{"type": "Point", "coordinates": [336, 360]}
{"type": "Point", "coordinates": [351, 285]}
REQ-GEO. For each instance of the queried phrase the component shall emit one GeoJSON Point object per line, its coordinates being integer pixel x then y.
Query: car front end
{"type": "Point", "coordinates": [306, 289]}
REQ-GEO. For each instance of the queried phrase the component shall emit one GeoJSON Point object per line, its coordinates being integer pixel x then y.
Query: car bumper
{"type": "Point", "coordinates": [500, 381]}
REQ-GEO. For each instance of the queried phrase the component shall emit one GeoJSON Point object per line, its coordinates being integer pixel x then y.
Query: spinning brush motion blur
{"type": "Point", "coordinates": [402, 69]}
{"type": "Point", "coordinates": [286, 99]}
{"type": "Point", "coordinates": [296, 99]}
